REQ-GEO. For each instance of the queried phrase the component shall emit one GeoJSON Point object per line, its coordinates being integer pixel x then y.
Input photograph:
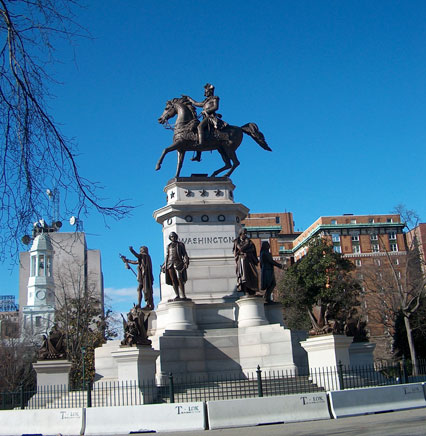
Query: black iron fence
{"type": "Point", "coordinates": [190, 389]}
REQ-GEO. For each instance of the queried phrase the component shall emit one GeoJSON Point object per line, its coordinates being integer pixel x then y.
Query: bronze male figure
{"type": "Point", "coordinates": [175, 266]}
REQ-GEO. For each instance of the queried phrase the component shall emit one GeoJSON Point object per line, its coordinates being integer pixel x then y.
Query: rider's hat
{"type": "Point", "coordinates": [209, 86]}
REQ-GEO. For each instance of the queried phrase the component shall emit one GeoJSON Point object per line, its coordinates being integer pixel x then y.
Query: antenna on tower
{"type": "Point", "coordinates": [54, 198]}
{"type": "Point", "coordinates": [78, 223]}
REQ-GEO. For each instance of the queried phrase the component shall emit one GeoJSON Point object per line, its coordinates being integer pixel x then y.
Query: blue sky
{"type": "Point", "coordinates": [337, 88]}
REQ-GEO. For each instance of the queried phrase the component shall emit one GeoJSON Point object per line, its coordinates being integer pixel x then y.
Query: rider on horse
{"type": "Point", "coordinates": [210, 118]}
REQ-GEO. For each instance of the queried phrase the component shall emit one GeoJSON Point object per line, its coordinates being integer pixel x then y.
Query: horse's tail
{"type": "Point", "coordinates": [252, 130]}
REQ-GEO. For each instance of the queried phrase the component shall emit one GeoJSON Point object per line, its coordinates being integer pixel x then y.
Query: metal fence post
{"type": "Point", "coordinates": [340, 372]}
{"type": "Point", "coordinates": [259, 382]}
{"type": "Point", "coordinates": [89, 394]}
{"type": "Point", "coordinates": [404, 370]}
{"type": "Point", "coordinates": [399, 369]}
{"type": "Point", "coordinates": [21, 397]}
{"type": "Point", "coordinates": [171, 389]}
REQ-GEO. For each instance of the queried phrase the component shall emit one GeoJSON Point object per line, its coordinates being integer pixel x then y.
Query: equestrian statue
{"type": "Point", "coordinates": [211, 133]}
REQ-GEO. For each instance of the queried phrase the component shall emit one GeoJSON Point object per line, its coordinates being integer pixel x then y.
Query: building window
{"type": "Point", "coordinates": [358, 262]}
{"type": "Point", "coordinates": [33, 266]}
{"type": "Point", "coordinates": [356, 249]}
{"type": "Point", "coordinates": [377, 262]}
{"type": "Point", "coordinates": [38, 321]}
{"type": "Point", "coordinates": [353, 221]}
{"type": "Point", "coordinates": [371, 220]}
{"type": "Point", "coordinates": [396, 262]}
{"type": "Point", "coordinates": [394, 247]}
{"type": "Point", "coordinates": [375, 248]}
{"type": "Point", "coordinates": [355, 238]}
{"type": "Point", "coordinates": [48, 266]}
{"type": "Point", "coordinates": [41, 265]}
{"type": "Point", "coordinates": [335, 237]}
{"type": "Point", "coordinates": [389, 220]}
{"type": "Point", "coordinates": [333, 222]}
{"type": "Point", "coordinates": [392, 235]}
{"type": "Point", "coordinates": [374, 237]}
{"type": "Point", "coordinates": [337, 249]}
{"type": "Point", "coordinates": [277, 219]}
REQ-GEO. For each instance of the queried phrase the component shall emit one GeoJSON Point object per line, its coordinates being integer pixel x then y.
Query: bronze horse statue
{"type": "Point", "coordinates": [185, 138]}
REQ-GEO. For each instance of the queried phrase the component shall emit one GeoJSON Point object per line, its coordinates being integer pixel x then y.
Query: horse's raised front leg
{"type": "Point", "coordinates": [173, 147]}
{"type": "Point", "coordinates": [181, 157]}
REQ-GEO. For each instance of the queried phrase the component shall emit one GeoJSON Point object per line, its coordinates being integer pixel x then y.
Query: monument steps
{"type": "Point", "coordinates": [234, 389]}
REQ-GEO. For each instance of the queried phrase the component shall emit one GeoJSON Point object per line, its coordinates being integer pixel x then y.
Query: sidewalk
{"type": "Point", "coordinates": [405, 423]}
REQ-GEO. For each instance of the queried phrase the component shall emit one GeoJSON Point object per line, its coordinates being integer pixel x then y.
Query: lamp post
{"type": "Point", "coordinates": [83, 353]}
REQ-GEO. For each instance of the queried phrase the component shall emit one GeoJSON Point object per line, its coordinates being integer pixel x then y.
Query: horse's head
{"type": "Point", "coordinates": [178, 106]}
{"type": "Point", "coordinates": [169, 112]}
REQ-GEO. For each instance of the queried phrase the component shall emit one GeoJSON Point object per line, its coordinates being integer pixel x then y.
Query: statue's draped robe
{"type": "Point", "coordinates": [267, 276]}
{"type": "Point", "coordinates": [246, 262]}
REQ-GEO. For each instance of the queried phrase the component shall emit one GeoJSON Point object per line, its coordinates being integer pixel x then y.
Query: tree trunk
{"type": "Point", "coordinates": [411, 344]}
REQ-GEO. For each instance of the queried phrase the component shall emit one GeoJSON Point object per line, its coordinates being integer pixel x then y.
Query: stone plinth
{"type": "Point", "coordinates": [181, 315]}
{"type": "Point", "coordinates": [361, 354]}
{"type": "Point", "coordinates": [251, 312]}
{"type": "Point", "coordinates": [135, 363]}
{"type": "Point", "coordinates": [202, 211]}
{"type": "Point", "coordinates": [274, 313]}
{"type": "Point", "coordinates": [52, 372]}
{"type": "Point", "coordinates": [136, 368]}
{"type": "Point", "coordinates": [105, 365]}
{"type": "Point", "coordinates": [217, 334]}
{"type": "Point", "coordinates": [325, 353]}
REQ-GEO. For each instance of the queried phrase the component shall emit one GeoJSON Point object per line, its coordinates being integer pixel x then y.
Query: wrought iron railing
{"type": "Point", "coordinates": [190, 389]}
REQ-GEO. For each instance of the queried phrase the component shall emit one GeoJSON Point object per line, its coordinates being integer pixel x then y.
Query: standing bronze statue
{"type": "Point", "coordinates": [145, 277]}
{"type": "Point", "coordinates": [210, 134]}
{"type": "Point", "coordinates": [246, 264]}
{"type": "Point", "coordinates": [175, 266]}
{"type": "Point", "coordinates": [267, 276]}
{"type": "Point", "coordinates": [211, 120]}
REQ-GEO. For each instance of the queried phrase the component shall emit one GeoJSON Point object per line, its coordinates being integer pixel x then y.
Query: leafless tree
{"type": "Point", "coordinates": [16, 370]}
{"type": "Point", "coordinates": [397, 285]}
{"type": "Point", "coordinates": [81, 315]}
{"type": "Point", "coordinates": [34, 154]}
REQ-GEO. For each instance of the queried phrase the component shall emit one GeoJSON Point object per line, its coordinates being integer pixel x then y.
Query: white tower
{"type": "Point", "coordinates": [39, 312]}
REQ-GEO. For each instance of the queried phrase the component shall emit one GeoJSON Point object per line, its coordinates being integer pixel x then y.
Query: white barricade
{"type": "Point", "coordinates": [150, 417]}
{"type": "Point", "coordinates": [381, 399]}
{"type": "Point", "coordinates": [267, 410]}
{"type": "Point", "coordinates": [50, 421]}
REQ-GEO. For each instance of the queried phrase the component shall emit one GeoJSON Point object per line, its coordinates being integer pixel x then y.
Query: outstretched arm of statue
{"type": "Point", "coordinates": [133, 252]}
{"type": "Point", "coordinates": [195, 103]}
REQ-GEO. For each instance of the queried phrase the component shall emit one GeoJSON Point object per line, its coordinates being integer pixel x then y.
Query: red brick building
{"type": "Point", "coordinates": [375, 243]}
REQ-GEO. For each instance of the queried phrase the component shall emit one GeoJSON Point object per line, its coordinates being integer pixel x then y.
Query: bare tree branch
{"type": "Point", "coordinates": [34, 153]}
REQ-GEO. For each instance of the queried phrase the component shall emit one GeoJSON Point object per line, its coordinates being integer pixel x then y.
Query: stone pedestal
{"type": "Point", "coordinates": [274, 313]}
{"type": "Point", "coordinates": [361, 354]}
{"type": "Point", "coordinates": [135, 363]}
{"type": "Point", "coordinates": [202, 211]}
{"type": "Point", "coordinates": [181, 315]}
{"type": "Point", "coordinates": [325, 353]}
{"type": "Point", "coordinates": [136, 368]}
{"type": "Point", "coordinates": [251, 312]}
{"type": "Point", "coordinates": [105, 365]}
{"type": "Point", "coordinates": [217, 333]}
{"type": "Point", "coordinates": [52, 373]}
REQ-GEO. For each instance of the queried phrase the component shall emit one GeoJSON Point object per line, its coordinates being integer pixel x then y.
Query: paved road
{"type": "Point", "coordinates": [405, 423]}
